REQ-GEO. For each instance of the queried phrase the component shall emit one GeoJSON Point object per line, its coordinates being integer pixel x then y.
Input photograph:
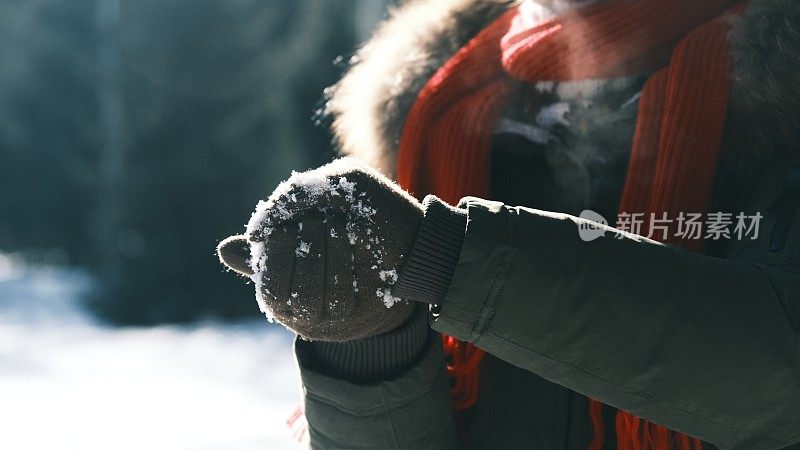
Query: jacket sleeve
{"type": "Point", "coordinates": [412, 410]}
{"type": "Point", "coordinates": [702, 345]}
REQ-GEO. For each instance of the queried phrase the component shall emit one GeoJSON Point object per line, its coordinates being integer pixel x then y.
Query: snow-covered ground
{"type": "Point", "coordinates": [67, 382]}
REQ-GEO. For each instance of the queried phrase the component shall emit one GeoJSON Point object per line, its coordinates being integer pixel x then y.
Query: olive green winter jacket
{"type": "Point", "coordinates": [702, 345]}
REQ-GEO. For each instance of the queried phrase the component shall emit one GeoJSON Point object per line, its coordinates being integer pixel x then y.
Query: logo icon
{"type": "Point", "coordinates": [592, 225]}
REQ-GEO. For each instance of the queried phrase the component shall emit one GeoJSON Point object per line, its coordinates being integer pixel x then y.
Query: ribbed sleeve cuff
{"type": "Point", "coordinates": [375, 358]}
{"type": "Point", "coordinates": [427, 272]}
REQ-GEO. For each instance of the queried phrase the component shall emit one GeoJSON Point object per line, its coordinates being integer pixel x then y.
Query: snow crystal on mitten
{"type": "Point", "coordinates": [326, 247]}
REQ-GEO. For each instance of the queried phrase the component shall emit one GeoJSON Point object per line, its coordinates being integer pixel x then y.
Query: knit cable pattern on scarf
{"type": "Point", "coordinates": [446, 142]}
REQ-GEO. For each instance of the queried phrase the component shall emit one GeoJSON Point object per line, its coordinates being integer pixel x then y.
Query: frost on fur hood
{"type": "Point", "coordinates": [370, 103]}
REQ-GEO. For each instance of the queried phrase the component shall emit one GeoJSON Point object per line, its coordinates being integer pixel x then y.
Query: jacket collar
{"type": "Point", "coordinates": [371, 101]}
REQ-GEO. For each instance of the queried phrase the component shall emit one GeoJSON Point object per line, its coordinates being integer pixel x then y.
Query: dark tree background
{"type": "Point", "coordinates": [135, 134]}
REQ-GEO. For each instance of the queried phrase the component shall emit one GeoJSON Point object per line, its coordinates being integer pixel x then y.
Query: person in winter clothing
{"type": "Point", "coordinates": [558, 332]}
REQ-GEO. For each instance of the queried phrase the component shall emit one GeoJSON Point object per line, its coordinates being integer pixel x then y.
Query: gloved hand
{"type": "Point", "coordinates": [325, 249]}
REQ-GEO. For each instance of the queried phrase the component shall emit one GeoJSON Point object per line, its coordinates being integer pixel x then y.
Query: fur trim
{"type": "Point", "coordinates": [371, 102]}
{"type": "Point", "coordinates": [764, 118]}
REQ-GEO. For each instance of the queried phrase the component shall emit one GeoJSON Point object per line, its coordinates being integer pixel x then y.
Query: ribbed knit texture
{"type": "Point", "coordinates": [375, 358]}
{"type": "Point", "coordinates": [330, 250]}
{"type": "Point", "coordinates": [445, 147]}
{"type": "Point", "coordinates": [425, 278]}
{"type": "Point", "coordinates": [446, 141]}
{"type": "Point", "coordinates": [430, 266]}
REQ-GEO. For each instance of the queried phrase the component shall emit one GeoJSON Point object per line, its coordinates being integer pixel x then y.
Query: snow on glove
{"type": "Point", "coordinates": [324, 250]}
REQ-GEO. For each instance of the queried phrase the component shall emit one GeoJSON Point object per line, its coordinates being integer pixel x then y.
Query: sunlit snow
{"type": "Point", "coordinates": [68, 383]}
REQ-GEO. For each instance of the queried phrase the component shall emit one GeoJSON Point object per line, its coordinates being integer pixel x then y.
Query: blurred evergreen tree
{"type": "Point", "coordinates": [48, 125]}
{"type": "Point", "coordinates": [135, 134]}
{"type": "Point", "coordinates": [217, 103]}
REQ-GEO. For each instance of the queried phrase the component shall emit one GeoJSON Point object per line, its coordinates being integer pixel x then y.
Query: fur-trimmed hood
{"type": "Point", "coordinates": [370, 103]}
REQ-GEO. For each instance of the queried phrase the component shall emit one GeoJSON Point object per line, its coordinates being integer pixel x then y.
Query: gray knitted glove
{"type": "Point", "coordinates": [324, 250]}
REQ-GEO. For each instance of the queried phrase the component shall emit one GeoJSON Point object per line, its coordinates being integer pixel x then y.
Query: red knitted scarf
{"type": "Point", "coordinates": [446, 143]}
